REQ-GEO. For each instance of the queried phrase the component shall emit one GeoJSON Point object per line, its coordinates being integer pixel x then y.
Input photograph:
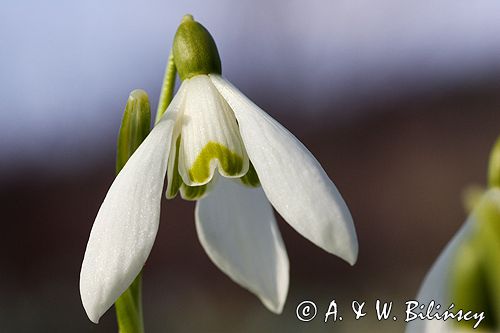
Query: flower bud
{"type": "Point", "coordinates": [136, 123]}
{"type": "Point", "coordinates": [194, 50]}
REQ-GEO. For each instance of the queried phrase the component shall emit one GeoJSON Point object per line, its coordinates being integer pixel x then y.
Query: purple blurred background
{"type": "Point", "coordinates": [399, 101]}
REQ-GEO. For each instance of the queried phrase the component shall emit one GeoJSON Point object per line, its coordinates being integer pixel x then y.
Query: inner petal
{"type": "Point", "coordinates": [175, 183]}
{"type": "Point", "coordinates": [210, 136]}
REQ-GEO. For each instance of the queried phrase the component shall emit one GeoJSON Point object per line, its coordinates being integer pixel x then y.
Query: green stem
{"type": "Point", "coordinates": [494, 166]}
{"type": "Point", "coordinates": [129, 308]}
{"type": "Point", "coordinates": [167, 89]}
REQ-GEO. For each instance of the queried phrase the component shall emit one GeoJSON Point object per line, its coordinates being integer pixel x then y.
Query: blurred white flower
{"type": "Point", "coordinates": [466, 267]}
{"type": "Point", "coordinates": [211, 125]}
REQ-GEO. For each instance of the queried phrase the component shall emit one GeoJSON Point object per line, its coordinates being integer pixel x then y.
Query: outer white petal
{"type": "Point", "coordinates": [292, 178]}
{"type": "Point", "coordinates": [127, 222]}
{"type": "Point", "coordinates": [237, 229]}
{"type": "Point", "coordinates": [435, 285]}
{"type": "Point", "coordinates": [209, 135]}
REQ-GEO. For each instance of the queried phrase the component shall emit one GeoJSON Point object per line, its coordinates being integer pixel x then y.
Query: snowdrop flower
{"type": "Point", "coordinates": [211, 126]}
{"type": "Point", "coordinates": [466, 273]}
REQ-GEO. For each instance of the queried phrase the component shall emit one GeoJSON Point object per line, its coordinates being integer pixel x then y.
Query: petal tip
{"type": "Point", "coordinates": [93, 308]}
{"type": "Point", "coordinates": [352, 260]}
{"type": "Point", "coordinates": [92, 312]}
{"type": "Point", "coordinates": [352, 256]}
{"type": "Point", "coordinates": [349, 246]}
{"type": "Point", "coordinates": [275, 306]}
{"type": "Point", "coordinates": [95, 320]}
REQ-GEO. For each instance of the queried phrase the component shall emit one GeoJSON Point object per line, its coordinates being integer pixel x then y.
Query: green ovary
{"type": "Point", "coordinates": [230, 162]}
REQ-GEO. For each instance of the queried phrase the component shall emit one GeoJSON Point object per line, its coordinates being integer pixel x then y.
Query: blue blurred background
{"type": "Point", "coordinates": [400, 102]}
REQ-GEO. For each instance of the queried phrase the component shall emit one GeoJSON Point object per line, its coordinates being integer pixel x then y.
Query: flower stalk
{"type": "Point", "coordinates": [167, 89]}
{"type": "Point", "coordinates": [135, 127]}
{"type": "Point", "coordinates": [494, 166]}
{"type": "Point", "coordinates": [128, 308]}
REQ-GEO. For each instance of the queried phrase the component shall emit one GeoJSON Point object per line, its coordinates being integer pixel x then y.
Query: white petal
{"type": "Point", "coordinates": [292, 178]}
{"type": "Point", "coordinates": [435, 285]}
{"type": "Point", "coordinates": [127, 222]}
{"type": "Point", "coordinates": [209, 135]}
{"type": "Point", "coordinates": [237, 229]}
{"type": "Point", "coordinates": [174, 180]}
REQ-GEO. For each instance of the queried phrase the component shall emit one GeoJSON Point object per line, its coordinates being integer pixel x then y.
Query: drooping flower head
{"type": "Point", "coordinates": [467, 273]}
{"type": "Point", "coordinates": [219, 148]}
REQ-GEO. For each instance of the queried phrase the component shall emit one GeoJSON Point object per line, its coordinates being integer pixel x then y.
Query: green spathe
{"type": "Point", "coordinates": [136, 123]}
{"type": "Point", "coordinates": [135, 126]}
{"type": "Point", "coordinates": [194, 50]}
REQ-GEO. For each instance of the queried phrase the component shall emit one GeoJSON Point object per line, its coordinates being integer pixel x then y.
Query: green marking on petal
{"type": "Point", "coordinates": [230, 162]}
{"type": "Point", "coordinates": [193, 192]}
{"type": "Point", "coordinates": [250, 179]}
{"type": "Point", "coordinates": [176, 182]}
{"type": "Point", "coordinates": [187, 192]}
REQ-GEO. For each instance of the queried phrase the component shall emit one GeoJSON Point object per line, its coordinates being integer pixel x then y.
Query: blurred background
{"type": "Point", "coordinates": [399, 101]}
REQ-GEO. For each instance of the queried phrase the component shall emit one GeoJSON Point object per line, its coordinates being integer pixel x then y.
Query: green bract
{"type": "Point", "coordinates": [194, 50]}
{"type": "Point", "coordinates": [135, 126]}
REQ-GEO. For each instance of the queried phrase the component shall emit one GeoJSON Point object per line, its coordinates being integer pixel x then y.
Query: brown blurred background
{"type": "Point", "coordinates": [401, 116]}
